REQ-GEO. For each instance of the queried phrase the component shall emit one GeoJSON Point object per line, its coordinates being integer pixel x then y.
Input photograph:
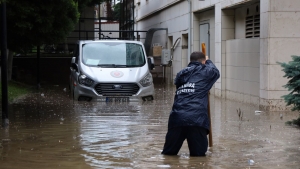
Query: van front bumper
{"type": "Point", "coordinates": [84, 93]}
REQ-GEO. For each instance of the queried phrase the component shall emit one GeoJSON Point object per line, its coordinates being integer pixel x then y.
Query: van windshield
{"type": "Point", "coordinates": [113, 54]}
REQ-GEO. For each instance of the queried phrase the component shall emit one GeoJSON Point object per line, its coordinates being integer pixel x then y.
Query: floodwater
{"type": "Point", "coordinates": [48, 130]}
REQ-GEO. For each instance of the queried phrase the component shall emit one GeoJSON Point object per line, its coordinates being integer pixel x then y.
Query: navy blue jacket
{"type": "Point", "coordinates": [191, 98]}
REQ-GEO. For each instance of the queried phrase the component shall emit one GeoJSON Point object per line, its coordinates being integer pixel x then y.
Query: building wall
{"type": "Point", "coordinates": [240, 56]}
{"type": "Point", "coordinates": [228, 30]}
{"type": "Point", "coordinates": [242, 70]}
{"type": "Point", "coordinates": [280, 38]}
{"type": "Point", "coordinates": [148, 7]}
{"type": "Point", "coordinates": [249, 68]}
{"type": "Point", "coordinates": [167, 18]}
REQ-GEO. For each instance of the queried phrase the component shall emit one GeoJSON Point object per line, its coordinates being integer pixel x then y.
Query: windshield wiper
{"type": "Point", "coordinates": [131, 65]}
{"type": "Point", "coordinates": [110, 65]}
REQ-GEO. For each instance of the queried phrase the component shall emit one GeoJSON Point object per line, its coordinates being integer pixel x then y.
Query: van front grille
{"type": "Point", "coordinates": [117, 89]}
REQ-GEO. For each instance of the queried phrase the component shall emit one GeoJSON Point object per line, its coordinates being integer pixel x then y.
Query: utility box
{"type": "Point", "coordinates": [165, 56]}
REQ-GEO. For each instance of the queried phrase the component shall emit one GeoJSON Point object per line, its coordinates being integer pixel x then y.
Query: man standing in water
{"type": "Point", "coordinates": [188, 118]}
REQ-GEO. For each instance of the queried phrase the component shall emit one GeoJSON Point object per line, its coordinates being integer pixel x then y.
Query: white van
{"type": "Point", "coordinates": [111, 70]}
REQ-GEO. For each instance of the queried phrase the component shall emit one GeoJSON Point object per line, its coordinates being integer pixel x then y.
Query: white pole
{"type": "Point", "coordinates": [189, 32]}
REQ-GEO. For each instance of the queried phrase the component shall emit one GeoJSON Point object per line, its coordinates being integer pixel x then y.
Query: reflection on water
{"type": "Point", "coordinates": [124, 135]}
{"type": "Point", "coordinates": [51, 131]}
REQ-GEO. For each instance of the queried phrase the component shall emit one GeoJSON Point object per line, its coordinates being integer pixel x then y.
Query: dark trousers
{"type": "Point", "coordinates": [196, 139]}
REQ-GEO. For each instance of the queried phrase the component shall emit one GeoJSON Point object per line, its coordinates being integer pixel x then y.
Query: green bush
{"type": "Point", "coordinates": [15, 90]}
{"type": "Point", "coordinates": [292, 72]}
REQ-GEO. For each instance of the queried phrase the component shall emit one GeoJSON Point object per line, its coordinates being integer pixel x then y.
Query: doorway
{"type": "Point", "coordinates": [204, 37]}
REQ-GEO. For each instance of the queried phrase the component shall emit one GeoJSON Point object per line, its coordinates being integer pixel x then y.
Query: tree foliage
{"type": "Point", "coordinates": [292, 72]}
{"type": "Point", "coordinates": [35, 22]}
{"type": "Point", "coordinates": [84, 3]}
{"type": "Point", "coordinates": [117, 11]}
{"type": "Point", "coordinates": [31, 23]}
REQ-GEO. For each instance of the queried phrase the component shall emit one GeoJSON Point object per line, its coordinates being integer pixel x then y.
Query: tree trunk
{"type": "Point", "coordinates": [109, 9]}
{"type": "Point", "coordinates": [9, 64]}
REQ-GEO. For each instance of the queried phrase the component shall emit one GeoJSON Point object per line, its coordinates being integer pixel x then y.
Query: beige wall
{"type": "Point", "coordinates": [280, 38]}
{"type": "Point", "coordinates": [228, 32]}
{"type": "Point", "coordinates": [242, 69]}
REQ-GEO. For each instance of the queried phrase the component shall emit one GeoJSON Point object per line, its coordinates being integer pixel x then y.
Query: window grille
{"type": "Point", "coordinates": [256, 25]}
{"type": "Point", "coordinates": [253, 26]}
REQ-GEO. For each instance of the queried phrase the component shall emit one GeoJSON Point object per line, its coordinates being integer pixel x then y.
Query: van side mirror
{"type": "Point", "coordinates": [73, 60]}
{"type": "Point", "coordinates": [151, 63]}
{"type": "Point", "coordinates": [74, 67]}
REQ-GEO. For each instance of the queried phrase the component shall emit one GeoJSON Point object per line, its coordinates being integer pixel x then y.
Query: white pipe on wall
{"type": "Point", "coordinates": [189, 31]}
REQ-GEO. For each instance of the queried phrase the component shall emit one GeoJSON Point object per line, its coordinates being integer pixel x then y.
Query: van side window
{"type": "Point", "coordinates": [134, 55]}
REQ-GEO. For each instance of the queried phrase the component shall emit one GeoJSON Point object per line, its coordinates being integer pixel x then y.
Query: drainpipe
{"type": "Point", "coordinates": [189, 32]}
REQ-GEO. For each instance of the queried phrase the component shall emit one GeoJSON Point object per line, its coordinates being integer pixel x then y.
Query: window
{"type": "Point", "coordinates": [113, 54]}
{"type": "Point", "coordinates": [252, 24]}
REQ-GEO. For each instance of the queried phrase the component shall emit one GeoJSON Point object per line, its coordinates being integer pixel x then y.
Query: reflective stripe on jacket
{"type": "Point", "coordinates": [191, 98]}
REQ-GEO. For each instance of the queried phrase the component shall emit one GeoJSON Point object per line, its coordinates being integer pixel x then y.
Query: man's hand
{"type": "Point", "coordinates": [206, 58]}
{"type": "Point", "coordinates": [204, 61]}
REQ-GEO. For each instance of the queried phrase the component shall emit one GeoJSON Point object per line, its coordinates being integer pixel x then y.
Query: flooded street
{"type": "Point", "coordinates": [48, 130]}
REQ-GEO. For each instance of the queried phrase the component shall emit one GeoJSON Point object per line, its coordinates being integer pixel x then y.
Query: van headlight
{"type": "Point", "coordinates": [147, 80]}
{"type": "Point", "coordinates": [84, 80]}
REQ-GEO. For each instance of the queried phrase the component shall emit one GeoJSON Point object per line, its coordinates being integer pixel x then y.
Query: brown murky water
{"type": "Point", "coordinates": [51, 131]}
